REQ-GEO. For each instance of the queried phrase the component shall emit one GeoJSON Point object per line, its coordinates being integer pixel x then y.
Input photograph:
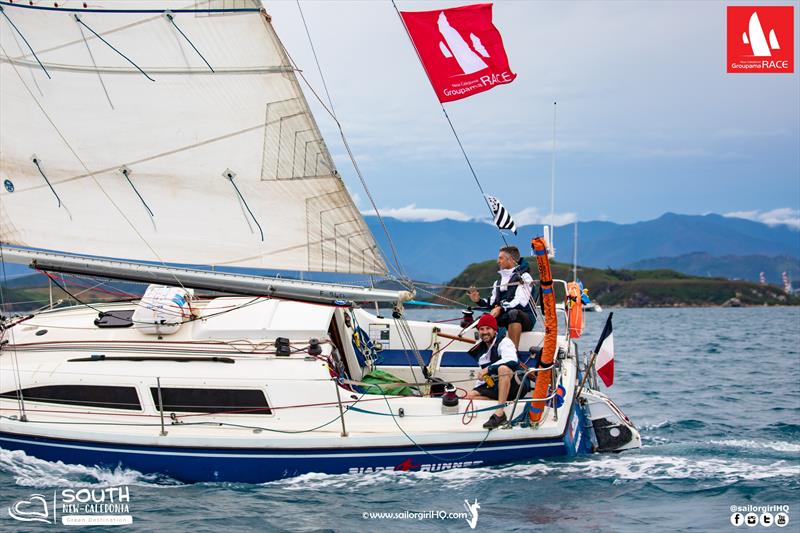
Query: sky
{"type": "Point", "coordinates": [648, 120]}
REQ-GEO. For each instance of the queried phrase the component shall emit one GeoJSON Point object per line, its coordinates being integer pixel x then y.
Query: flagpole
{"type": "Point", "coordinates": [586, 375]}
{"type": "Point", "coordinates": [450, 122]}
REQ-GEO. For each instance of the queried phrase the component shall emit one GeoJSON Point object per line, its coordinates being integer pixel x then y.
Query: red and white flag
{"type": "Point", "coordinates": [605, 354]}
{"type": "Point", "coordinates": [461, 50]}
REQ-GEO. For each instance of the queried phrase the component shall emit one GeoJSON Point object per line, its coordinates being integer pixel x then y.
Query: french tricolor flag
{"type": "Point", "coordinates": [605, 354]}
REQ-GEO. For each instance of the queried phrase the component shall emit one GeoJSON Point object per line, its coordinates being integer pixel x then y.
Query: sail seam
{"type": "Point", "coordinates": [357, 169]}
{"type": "Point", "coordinates": [83, 164]}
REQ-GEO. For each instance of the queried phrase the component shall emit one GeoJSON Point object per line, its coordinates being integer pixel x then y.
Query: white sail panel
{"type": "Point", "coordinates": [223, 168]}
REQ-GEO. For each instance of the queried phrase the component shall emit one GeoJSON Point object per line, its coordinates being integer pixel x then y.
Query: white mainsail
{"type": "Point", "coordinates": [222, 167]}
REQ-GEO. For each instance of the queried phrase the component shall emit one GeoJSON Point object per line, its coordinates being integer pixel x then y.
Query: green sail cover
{"type": "Point", "coordinates": [379, 377]}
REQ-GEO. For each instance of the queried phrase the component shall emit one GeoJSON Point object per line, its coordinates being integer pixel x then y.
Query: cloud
{"type": "Point", "coordinates": [531, 215]}
{"type": "Point", "coordinates": [782, 215]}
{"type": "Point", "coordinates": [412, 213]}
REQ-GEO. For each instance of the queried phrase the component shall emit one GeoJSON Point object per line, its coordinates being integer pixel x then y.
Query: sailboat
{"type": "Point", "coordinates": [148, 142]}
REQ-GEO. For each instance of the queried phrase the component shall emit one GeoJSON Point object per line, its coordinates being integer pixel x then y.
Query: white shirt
{"type": "Point", "coordinates": [523, 294]}
{"type": "Point", "coordinates": [506, 350]}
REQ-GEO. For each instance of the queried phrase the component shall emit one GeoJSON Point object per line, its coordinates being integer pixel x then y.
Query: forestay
{"type": "Point", "coordinates": [146, 153]}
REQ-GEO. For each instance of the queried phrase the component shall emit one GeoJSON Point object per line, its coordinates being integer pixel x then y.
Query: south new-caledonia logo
{"type": "Point", "coordinates": [760, 39]}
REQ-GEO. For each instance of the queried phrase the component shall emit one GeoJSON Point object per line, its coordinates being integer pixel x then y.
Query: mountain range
{"type": "Point", "coordinates": [702, 245]}
{"type": "Point", "coordinates": [694, 244]}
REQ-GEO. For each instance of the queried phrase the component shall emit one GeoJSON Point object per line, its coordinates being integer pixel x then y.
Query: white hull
{"type": "Point", "coordinates": [304, 408]}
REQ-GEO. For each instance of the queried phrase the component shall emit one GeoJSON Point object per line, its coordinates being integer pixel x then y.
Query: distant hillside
{"type": "Point", "coordinates": [728, 266]}
{"type": "Point", "coordinates": [636, 288]}
{"type": "Point", "coordinates": [437, 251]}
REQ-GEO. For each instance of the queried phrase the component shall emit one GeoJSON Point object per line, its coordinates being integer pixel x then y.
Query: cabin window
{"type": "Point", "coordinates": [81, 395]}
{"type": "Point", "coordinates": [238, 401]}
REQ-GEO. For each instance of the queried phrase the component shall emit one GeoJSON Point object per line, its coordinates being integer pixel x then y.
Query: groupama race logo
{"type": "Point", "coordinates": [761, 39]}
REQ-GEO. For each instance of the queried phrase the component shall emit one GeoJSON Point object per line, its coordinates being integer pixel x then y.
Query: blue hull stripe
{"type": "Point", "coordinates": [368, 452]}
{"type": "Point", "coordinates": [253, 465]}
{"type": "Point", "coordinates": [449, 359]}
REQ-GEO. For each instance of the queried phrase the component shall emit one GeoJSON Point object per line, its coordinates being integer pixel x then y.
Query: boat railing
{"type": "Point", "coordinates": [555, 377]}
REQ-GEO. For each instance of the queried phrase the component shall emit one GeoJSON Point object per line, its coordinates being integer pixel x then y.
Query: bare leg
{"type": "Point", "coordinates": [514, 333]}
{"type": "Point", "coordinates": [474, 395]}
{"type": "Point", "coordinates": [504, 376]}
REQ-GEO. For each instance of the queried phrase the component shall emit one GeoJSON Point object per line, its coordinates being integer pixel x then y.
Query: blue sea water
{"type": "Point", "coordinates": [715, 392]}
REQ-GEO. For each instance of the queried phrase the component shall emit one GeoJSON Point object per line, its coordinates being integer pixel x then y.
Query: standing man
{"type": "Point", "coordinates": [497, 356]}
{"type": "Point", "coordinates": [511, 294]}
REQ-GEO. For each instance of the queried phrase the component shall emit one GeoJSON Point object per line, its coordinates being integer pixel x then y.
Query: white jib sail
{"type": "Point", "coordinates": [222, 167]}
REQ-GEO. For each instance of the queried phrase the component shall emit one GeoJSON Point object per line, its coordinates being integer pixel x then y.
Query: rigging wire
{"type": "Point", "coordinates": [452, 128]}
{"type": "Point", "coordinates": [332, 112]}
{"type": "Point", "coordinates": [191, 318]}
{"type": "Point", "coordinates": [17, 378]}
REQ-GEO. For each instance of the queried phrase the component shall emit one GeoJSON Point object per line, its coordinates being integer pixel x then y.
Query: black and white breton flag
{"type": "Point", "coordinates": [502, 218]}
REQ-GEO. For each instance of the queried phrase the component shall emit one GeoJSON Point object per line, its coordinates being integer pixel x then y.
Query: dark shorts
{"type": "Point", "coordinates": [515, 316]}
{"type": "Point", "coordinates": [492, 392]}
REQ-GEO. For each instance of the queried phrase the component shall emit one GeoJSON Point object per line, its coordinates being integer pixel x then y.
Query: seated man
{"type": "Point", "coordinates": [496, 355]}
{"type": "Point", "coordinates": [511, 294]}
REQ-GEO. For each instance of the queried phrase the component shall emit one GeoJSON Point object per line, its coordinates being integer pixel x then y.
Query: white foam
{"type": "Point", "coordinates": [617, 468]}
{"type": "Point", "coordinates": [657, 425]}
{"type": "Point", "coordinates": [779, 446]}
{"type": "Point", "coordinates": [655, 467]}
{"type": "Point", "coordinates": [30, 471]}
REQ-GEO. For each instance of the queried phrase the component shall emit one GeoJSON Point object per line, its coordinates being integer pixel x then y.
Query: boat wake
{"type": "Point", "coordinates": [778, 446]}
{"type": "Point", "coordinates": [28, 471]}
{"type": "Point", "coordinates": [617, 468]}
{"type": "Point", "coordinates": [32, 472]}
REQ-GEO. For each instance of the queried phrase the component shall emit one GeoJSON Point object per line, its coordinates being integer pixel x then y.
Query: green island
{"type": "Point", "coordinates": [633, 288]}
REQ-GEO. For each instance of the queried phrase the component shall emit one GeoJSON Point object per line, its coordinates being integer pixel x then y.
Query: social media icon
{"type": "Point", "coordinates": [737, 519]}
{"type": "Point", "coordinates": [781, 519]}
{"type": "Point", "coordinates": [765, 519]}
{"type": "Point", "coordinates": [751, 519]}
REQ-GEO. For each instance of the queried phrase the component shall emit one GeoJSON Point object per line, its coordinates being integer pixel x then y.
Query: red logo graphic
{"type": "Point", "coordinates": [406, 466]}
{"type": "Point", "coordinates": [760, 39]}
{"type": "Point", "coordinates": [461, 50]}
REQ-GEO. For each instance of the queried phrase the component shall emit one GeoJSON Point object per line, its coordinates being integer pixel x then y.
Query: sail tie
{"type": "Point", "coordinates": [168, 15]}
{"type": "Point", "coordinates": [3, 11]}
{"type": "Point", "coordinates": [229, 175]}
{"type": "Point", "coordinates": [126, 172]}
{"type": "Point", "coordinates": [126, 58]}
{"type": "Point", "coordinates": [36, 161]}
{"type": "Point", "coordinates": [94, 64]}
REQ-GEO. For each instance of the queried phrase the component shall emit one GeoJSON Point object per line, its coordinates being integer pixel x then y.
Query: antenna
{"type": "Point", "coordinates": [551, 242]}
{"type": "Point", "coordinates": [575, 252]}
